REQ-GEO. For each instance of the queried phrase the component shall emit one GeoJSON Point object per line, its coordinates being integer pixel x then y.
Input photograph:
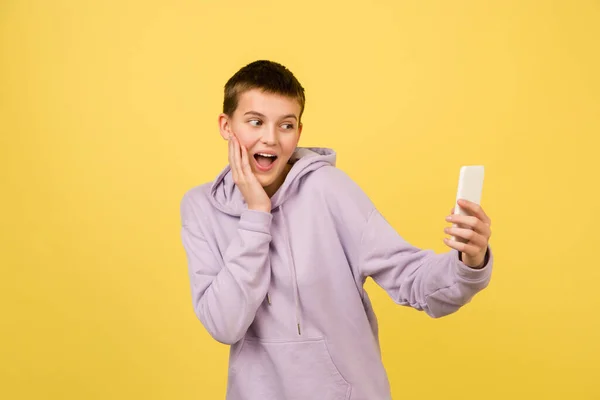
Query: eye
{"type": "Point", "coordinates": [255, 122]}
{"type": "Point", "coordinates": [288, 126]}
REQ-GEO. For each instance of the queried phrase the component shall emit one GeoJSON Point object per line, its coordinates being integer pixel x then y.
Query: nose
{"type": "Point", "coordinates": [269, 135]}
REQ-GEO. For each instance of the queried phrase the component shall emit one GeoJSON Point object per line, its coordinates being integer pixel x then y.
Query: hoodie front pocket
{"type": "Point", "coordinates": [302, 370]}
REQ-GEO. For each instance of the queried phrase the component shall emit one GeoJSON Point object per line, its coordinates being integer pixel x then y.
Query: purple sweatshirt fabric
{"type": "Point", "coordinates": [285, 289]}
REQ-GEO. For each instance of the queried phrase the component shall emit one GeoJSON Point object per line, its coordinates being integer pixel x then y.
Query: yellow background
{"type": "Point", "coordinates": [108, 114]}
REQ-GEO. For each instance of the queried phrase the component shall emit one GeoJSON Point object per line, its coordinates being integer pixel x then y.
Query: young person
{"type": "Point", "coordinates": [280, 244]}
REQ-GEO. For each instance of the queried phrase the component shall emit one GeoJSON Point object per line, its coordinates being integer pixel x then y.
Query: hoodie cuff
{"type": "Point", "coordinates": [256, 221]}
{"type": "Point", "coordinates": [474, 274]}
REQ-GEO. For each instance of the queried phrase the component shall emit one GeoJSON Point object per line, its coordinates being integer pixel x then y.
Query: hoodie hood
{"type": "Point", "coordinates": [226, 197]}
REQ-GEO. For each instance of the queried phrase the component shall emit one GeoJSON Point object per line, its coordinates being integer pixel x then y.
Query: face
{"type": "Point", "coordinates": [269, 126]}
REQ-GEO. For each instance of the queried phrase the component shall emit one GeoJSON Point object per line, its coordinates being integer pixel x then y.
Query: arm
{"type": "Point", "coordinates": [226, 294]}
{"type": "Point", "coordinates": [438, 284]}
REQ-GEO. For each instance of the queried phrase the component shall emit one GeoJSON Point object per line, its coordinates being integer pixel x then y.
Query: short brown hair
{"type": "Point", "coordinates": [268, 76]}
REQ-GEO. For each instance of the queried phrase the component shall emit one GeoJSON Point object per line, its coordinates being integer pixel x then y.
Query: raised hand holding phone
{"type": "Point", "coordinates": [471, 225]}
{"type": "Point", "coordinates": [253, 192]}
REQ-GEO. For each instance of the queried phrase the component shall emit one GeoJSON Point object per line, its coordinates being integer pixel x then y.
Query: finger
{"type": "Point", "coordinates": [231, 161]}
{"type": "Point", "coordinates": [469, 235]}
{"type": "Point", "coordinates": [237, 159]}
{"type": "Point", "coordinates": [475, 209]}
{"type": "Point", "coordinates": [470, 222]}
{"type": "Point", "coordinates": [245, 162]}
{"type": "Point", "coordinates": [462, 247]}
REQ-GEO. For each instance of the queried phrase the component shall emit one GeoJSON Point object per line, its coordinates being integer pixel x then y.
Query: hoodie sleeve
{"type": "Point", "coordinates": [227, 293]}
{"type": "Point", "coordinates": [438, 284]}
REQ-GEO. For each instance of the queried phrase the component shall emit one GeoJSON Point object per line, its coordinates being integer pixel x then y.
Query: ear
{"type": "Point", "coordinates": [300, 130]}
{"type": "Point", "coordinates": [225, 126]}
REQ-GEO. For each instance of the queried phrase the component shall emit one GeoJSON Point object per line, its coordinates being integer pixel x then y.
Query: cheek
{"type": "Point", "coordinates": [246, 138]}
{"type": "Point", "coordinates": [288, 145]}
{"type": "Point", "coordinates": [247, 143]}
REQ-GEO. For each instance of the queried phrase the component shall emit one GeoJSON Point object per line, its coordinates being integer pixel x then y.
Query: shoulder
{"type": "Point", "coordinates": [195, 201]}
{"type": "Point", "coordinates": [339, 190]}
{"type": "Point", "coordinates": [331, 178]}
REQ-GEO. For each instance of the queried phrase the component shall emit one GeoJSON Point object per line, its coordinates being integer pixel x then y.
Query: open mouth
{"type": "Point", "coordinates": [265, 161]}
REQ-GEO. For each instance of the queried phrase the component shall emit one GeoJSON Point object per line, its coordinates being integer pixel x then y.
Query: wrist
{"type": "Point", "coordinates": [474, 263]}
{"type": "Point", "coordinates": [260, 207]}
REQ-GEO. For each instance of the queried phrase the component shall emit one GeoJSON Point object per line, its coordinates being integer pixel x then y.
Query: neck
{"type": "Point", "coordinates": [274, 187]}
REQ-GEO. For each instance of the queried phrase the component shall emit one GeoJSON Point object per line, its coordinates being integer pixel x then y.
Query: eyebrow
{"type": "Point", "coordinates": [265, 117]}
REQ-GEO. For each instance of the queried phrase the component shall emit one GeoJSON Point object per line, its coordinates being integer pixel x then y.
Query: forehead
{"type": "Point", "coordinates": [270, 104]}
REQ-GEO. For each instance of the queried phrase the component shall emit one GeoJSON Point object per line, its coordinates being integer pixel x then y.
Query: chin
{"type": "Point", "coordinates": [266, 184]}
{"type": "Point", "coordinates": [266, 180]}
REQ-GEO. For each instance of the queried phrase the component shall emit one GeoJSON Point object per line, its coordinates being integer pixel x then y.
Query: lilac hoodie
{"type": "Point", "coordinates": [285, 289]}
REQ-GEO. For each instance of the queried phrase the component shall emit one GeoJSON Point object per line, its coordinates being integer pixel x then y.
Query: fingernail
{"type": "Point", "coordinates": [449, 218]}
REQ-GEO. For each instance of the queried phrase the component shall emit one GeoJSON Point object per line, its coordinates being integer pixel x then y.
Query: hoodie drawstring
{"type": "Point", "coordinates": [293, 270]}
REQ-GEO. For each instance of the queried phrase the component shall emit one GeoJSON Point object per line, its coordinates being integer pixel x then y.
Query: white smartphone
{"type": "Point", "coordinates": [470, 186]}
